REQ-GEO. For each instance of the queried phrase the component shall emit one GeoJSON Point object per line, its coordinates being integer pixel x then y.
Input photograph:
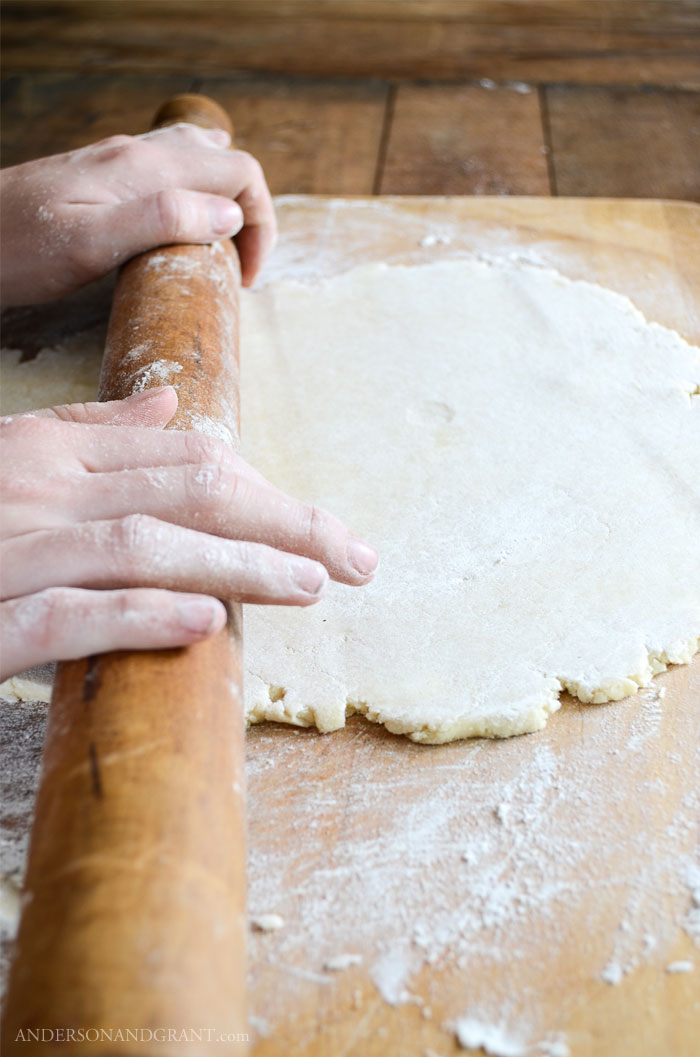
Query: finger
{"type": "Point", "coordinates": [66, 622]}
{"type": "Point", "coordinates": [139, 551]}
{"type": "Point", "coordinates": [254, 244]}
{"type": "Point", "coordinates": [169, 216]}
{"type": "Point", "coordinates": [114, 448]}
{"type": "Point", "coordinates": [259, 233]}
{"type": "Point", "coordinates": [181, 160]}
{"type": "Point", "coordinates": [215, 498]}
{"type": "Point", "coordinates": [150, 408]}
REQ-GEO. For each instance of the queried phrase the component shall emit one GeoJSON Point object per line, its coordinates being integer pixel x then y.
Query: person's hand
{"type": "Point", "coordinates": [72, 218]}
{"type": "Point", "coordinates": [118, 534]}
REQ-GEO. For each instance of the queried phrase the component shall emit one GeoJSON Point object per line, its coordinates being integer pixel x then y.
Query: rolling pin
{"type": "Point", "coordinates": [133, 913]}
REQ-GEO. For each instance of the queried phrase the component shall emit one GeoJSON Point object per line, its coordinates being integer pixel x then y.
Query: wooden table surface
{"type": "Point", "coordinates": [561, 97]}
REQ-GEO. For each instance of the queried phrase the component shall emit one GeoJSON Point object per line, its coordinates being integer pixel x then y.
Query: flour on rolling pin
{"type": "Point", "coordinates": [181, 284]}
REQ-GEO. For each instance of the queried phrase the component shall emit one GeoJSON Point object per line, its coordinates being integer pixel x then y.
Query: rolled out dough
{"type": "Point", "coordinates": [523, 450]}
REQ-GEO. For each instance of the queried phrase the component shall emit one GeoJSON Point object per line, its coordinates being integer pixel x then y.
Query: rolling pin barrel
{"type": "Point", "coordinates": [133, 932]}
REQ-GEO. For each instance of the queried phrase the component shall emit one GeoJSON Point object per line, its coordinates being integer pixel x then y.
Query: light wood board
{"type": "Point", "coordinates": [357, 837]}
{"type": "Point", "coordinates": [496, 880]}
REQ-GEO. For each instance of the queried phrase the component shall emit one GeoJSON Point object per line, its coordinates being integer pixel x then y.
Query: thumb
{"type": "Point", "coordinates": [152, 407]}
{"type": "Point", "coordinates": [169, 216]}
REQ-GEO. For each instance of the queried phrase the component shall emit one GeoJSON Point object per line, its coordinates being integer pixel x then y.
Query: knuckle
{"type": "Point", "coordinates": [212, 477]}
{"type": "Point", "coordinates": [171, 213]}
{"type": "Point", "coordinates": [315, 525]}
{"type": "Point", "coordinates": [212, 484]}
{"type": "Point", "coordinates": [201, 447]}
{"type": "Point", "coordinates": [72, 412]}
{"type": "Point", "coordinates": [120, 145]}
{"type": "Point", "coordinates": [45, 615]}
{"type": "Point", "coordinates": [187, 129]}
{"type": "Point", "coordinates": [20, 435]}
{"type": "Point", "coordinates": [250, 165]}
{"type": "Point", "coordinates": [134, 534]}
{"type": "Point", "coordinates": [133, 549]}
{"type": "Point", "coordinates": [125, 604]}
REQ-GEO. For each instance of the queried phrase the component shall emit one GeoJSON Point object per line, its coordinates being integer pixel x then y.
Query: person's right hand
{"type": "Point", "coordinates": [71, 218]}
{"type": "Point", "coordinates": [118, 534]}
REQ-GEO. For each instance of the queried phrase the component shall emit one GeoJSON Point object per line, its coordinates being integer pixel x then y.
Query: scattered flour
{"type": "Point", "coordinates": [22, 725]}
{"type": "Point", "coordinates": [613, 973]}
{"type": "Point", "coordinates": [470, 864]}
{"type": "Point", "coordinates": [554, 1047]}
{"type": "Point", "coordinates": [475, 1035]}
{"type": "Point", "coordinates": [434, 239]}
{"type": "Point", "coordinates": [342, 961]}
{"type": "Point", "coordinates": [680, 967]}
{"type": "Point", "coordinates": [10, 905]}
{"type": "Point", "coordinates": [267, 922]}
{"type": "Point", "coordinates": [20, 688]}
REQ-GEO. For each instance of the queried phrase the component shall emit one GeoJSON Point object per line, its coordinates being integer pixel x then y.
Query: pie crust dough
{"type": "Point", "coordinates": [524, 451]}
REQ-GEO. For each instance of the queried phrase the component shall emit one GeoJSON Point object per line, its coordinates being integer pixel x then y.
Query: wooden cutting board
{"type": "Point", "coordinates": [499, 881]}
{"type": "Point", "coordinates": [540, 886]}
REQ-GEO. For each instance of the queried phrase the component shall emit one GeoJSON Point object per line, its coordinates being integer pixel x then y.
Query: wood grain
{"type": "Point", "coordinates": [626, 142]}
{"type": "Point", "coordinates": [345, 137]}
{"type": "Point", "coordinates": [598, 41]}
{"type": "Point", "coordinates": [465, 139]}
{"type": "Point", "coordinates": [312, 137]}
{"type": "Point", "coordinates": [48, 113]}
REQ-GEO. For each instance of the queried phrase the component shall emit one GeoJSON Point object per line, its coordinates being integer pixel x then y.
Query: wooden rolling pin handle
{"type": "Point", "coordinates": [134, 905]}
{"type": "Point", "coordinates": [195, 109]}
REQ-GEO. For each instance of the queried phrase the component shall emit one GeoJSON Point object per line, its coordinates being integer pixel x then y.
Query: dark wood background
{"type": "Point", "coordinates": [556, 97]}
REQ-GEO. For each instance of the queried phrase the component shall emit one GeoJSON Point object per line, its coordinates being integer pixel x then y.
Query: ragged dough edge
{"type": "Point", "coordinates": [526, 717]}
{"type": "Point", "coordinates": [17, 689]}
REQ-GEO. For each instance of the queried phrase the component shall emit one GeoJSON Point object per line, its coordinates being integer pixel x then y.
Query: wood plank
{"type": "Point", "coordinates": [623, 141]}
{"type": "Point", "coordinates": [311, 137]}
{"type": "Point", "coordinates": [53, 112]}
{"type": "Point", "coordinates": [591, 41]}
{"type": "Point", "coordinates": [648, 16]}
{"type": "Point", "coordinates": [465, 140]}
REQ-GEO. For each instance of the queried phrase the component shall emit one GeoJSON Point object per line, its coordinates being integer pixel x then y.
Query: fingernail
{"type": "Point", "coordinates": [361, 556]}
{"type": "Point", "coordinates": [218, 136]}
{"type": "Point", "coordinates": [311, 577]}
{"type": "Point", "coordinates": [199, 614]}
{"type": "Point", "coordinates": [226, 217]}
